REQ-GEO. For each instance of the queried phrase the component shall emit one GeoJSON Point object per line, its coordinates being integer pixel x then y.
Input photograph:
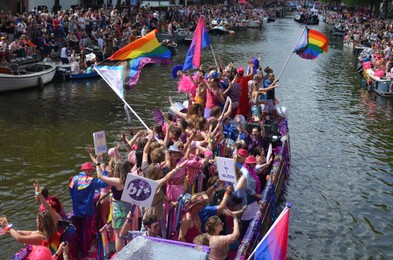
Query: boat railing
{"type": "Point", "coordinates": [103, 249]}
{"type": "Point", "coordinates": [272, 195]}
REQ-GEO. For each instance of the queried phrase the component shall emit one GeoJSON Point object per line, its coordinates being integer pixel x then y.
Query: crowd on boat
{"type": "Point", "coordinates": [227, 111]}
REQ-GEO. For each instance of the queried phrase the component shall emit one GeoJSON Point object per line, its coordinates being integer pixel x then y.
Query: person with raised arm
{"type": "Point", "coordinates": [82, 189]}
{"type": "Point", "coordinates": [119, 207]}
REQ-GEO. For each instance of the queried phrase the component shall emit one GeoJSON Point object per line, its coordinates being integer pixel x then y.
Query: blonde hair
{"type": "Point", "coordinates": [46, 225]}
{"type": "Point", "coordinates": [211, 224]}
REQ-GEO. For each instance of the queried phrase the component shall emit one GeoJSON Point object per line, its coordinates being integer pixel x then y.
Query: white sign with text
{"type": "Point", "coordinates": [139, 191]}
{"type": "Point", "coordinates": [226, 169]}
{"type": "Point", "coordinates": [100, 142]}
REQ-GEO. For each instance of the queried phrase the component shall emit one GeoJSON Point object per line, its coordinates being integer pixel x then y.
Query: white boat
{"type": "Point", "coordinates": [17, 77]}
{"type": "Point", "coordinates": [380, 85]}
{"type": "Point", "coordinates": [349, 44]}
{"type": "Point", "coordinates": [179, 35]}
{"type": "Point", "coordinates": [256, 23]}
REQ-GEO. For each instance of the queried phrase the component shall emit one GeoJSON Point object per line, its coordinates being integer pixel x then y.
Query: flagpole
{"type": "Point", "coordinates": [286, 63]}
{"type": "Point", "coordinates": [121, 96]}
{"type": "Point", "coordinates": [288, 205]}
{"type": "Point", "coordinates": [214, 55]}
{"type": "Point", "coordinates": [137, 116]}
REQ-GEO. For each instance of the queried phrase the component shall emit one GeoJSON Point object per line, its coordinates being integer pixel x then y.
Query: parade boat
{"type": "Point", "coordinates": [380, 85]}
{"type": "Point", "coordinates": [17, 77]}
{"type": "Point", "coordinates": [276, 130]}
{"type": "Point", "coordinates": [276, 135]}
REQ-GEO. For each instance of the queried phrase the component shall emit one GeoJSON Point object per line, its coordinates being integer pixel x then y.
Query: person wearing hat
{"type": "Point", "coordinates": [173, 159]}
{"type": "Point", "coordinates": [82, 189]}
{"type": "Point", "coordinates": [240, 157]}
{"type": "Point", "coordinates": [244, 107]}
{"type": "Point", "coordinates": [191, 225]}
{"type": "Point", "coordinates": [175, 186]}
{"type": "Point", "coordinates": [249, 187]}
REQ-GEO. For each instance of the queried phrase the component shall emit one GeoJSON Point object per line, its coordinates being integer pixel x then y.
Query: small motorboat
{"type": "Point", "coordinates": [84, 75]}
{"type": "Point", "coordinates": [179, 36]}
{"type": "Point", "coordinates": [255, 23]}
{"type": "Point", "coordinates": [380, 85]}
{"type": "Point", "coordinates": [17, 77]}
{"type": "Point", "coordinates": [220, 30]}
{"type": "Point", "coordinates": [169, 44]}
{"type": "Point", "coordinates": [312, 19]}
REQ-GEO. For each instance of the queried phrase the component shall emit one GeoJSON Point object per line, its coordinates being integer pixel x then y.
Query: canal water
{"type": "Point", "coordinates": [341, 183]}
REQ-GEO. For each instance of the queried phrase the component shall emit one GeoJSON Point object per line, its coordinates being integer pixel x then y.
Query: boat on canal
{"type": "Point", "coordinates": [308, 19]}
{"type": "Point", "coordinates": [178, 36]}
{"type": "Point", "coordinates": [84, 75]}
{"type": "Point", "coordinates": [379, 85]}
{"type": "Point", "coordinates": [277, 132]}
{"type": "Point", "coordinates": [15, 77]}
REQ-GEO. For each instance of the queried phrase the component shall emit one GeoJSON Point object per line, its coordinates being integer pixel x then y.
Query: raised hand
{"type": "Point", "coordinates": [89, 149]}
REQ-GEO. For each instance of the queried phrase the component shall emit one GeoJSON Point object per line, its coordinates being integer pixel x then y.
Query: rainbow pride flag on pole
{"type": "Point", "coordinates": [311, 43]}
{"type": "Point", "coordinates": [125, 65]}
{"type": "Point", "coordinates": [146, 46]}
{"type": "Point", "coordinates": [200, 40]}
{"type": "Point", "coordinates": [274, 244]}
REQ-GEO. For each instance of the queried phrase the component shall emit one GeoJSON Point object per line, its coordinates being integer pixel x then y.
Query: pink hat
{"type": "Point", "coordinates": [132, 157]}
{"type": "Point", "coordinates": [251, 160]}
{"type": "Point", "coordinates": [208, 153]}
{"type": "Point", "coordinates": [240, 70]}
{"type": "Point", "coordinates": [111, 153]}
{"type": "Point", "coordinates": [242, 152]}
{"type": "Point", "coordinates": [87, 166]}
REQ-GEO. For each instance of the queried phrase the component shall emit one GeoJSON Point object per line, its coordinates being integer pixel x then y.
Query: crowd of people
{"type": "Point", "coordinates": [228, 109]}
{"type": "Point", "coordinates": [374, 35]}
{"type": "Point", "coordinates": [43, 33]}
{"type": "Point", "coordinates": [225, 105]}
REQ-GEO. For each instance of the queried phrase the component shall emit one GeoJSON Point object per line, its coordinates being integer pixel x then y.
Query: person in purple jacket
{"type": "Point", "coordinates": [82, 189]}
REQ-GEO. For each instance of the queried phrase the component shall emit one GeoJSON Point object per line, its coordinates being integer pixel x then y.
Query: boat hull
{"type": "Point", "coordinates": [90, 75]}
{"type": "Point", "coordinates": [22, 81]}
{"type": "Point", "coordinates": [218, 31]}
{"type": "Point", "coordinates": [380, 86]}
{"type": "Point", "coordinates": [313, 20]}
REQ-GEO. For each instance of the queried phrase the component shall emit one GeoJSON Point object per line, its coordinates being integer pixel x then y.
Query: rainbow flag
{"type": "Point", "coordinates": [311, 43]}
{"type": "Point", "coordinates": [124, 66]}
{"type": "Point", "coordinates": [275, 243]}
{"type": "Point", "coordinates": [200, 40]}
{"type": "Point", "coordinates": [146, 46]}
